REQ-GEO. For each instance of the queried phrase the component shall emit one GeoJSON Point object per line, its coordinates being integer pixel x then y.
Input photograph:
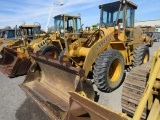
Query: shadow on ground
{"type": "Point", "coordinates": [30, 111]}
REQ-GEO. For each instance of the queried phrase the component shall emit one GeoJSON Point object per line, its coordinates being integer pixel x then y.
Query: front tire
{"type": "Point", "coordinates": [50, 50]}
{"type": "Point", "coordinates": [109, 70]}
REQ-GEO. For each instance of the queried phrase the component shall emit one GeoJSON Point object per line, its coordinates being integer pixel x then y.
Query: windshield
{"type": "Point", "coordinates": [10, 34]}
{"type": "Point", "coordinates": [77, 24]}
{"type": "Point", "coordinates": [58, 23]}
{"type": "Point", "coordinates": [36, 30]}
{"type": "Point", "coordinates": [109, 14]}
{"type": "Point", "coordinates": [71, 25]}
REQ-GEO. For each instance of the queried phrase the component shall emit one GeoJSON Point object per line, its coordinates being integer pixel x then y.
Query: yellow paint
{"type": "Point", "coordinates": [114, 71]}
{"type": "Point", "coordinates": [146, 58]}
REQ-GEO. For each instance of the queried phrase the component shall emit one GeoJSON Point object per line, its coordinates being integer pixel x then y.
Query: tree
{"type": "Point", "coordinates": [7, 27]}
{"type": "Point", "coordinates": [50, 29]}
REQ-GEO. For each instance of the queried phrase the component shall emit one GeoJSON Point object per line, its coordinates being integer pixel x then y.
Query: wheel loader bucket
{"type": "Point", "coordinates": [82, 108]}
{"type": "Point", "coordinates": [48, 82]}
{"type": "Point", "coordinates": [14, 63]}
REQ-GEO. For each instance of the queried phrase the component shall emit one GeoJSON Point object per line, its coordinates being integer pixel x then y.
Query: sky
{"type": "Point", "coordinates": [17, 12]}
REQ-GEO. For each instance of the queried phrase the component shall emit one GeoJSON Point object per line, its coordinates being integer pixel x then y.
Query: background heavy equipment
{"type": "Point", "coordinates": [54, 42]}
{"type": "Point", "coordinates": [150, 31]}
{"type": "Point", "coordinates": [148, 39]}
{"type": "Point", "coordinates": [155, 36]}
{"type": "Point", "coordinates": [7, 34]}
{"type": "Point", "coordinates": [30, 32]}
{"type": "Point", "coordinates": [15, 54]}
{"type": "Point", "coordinates": [33, 41]}
{"type": "Point", "coordinates": [92, 28]}
{"type": "Point", "coordinates": [101, 56]}
{"type": "Point", "coordinates": [140, 97]}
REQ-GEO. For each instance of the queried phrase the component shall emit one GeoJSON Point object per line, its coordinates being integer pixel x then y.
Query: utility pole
{"type": "Point", "coordinates": [60, 3]}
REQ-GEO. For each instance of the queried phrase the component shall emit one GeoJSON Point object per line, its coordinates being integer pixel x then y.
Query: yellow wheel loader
{"type": "Point", "coordinates": [30, 40]}
{"type": "Point", "coordinates": [16, 37]}
{"type": "Point", "coordinates": [54, 42]}
{"type": "Point", "coordinates": [140, 97]}
{"type": "Point", "coordinates": [15, 56]}
{"type": "Point", "coordinates": [148, 39]}
{"type": "Point", "coordinates": [101, 56]}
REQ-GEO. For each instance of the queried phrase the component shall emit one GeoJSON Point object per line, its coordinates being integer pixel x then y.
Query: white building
{"type": "Point", "coordinates": [152, 23]}
{"type": "Point", "coordinates": [157, 29]}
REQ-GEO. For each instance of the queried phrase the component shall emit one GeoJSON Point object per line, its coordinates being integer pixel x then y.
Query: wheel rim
{"type": "Point", "coordinates": [52, 54]}
{"type": "Point", "coordinates": [146, 57]}
{"type": "Point", "coordinates": [115, 71]}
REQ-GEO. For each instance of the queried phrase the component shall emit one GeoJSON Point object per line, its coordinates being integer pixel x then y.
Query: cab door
{"type": "Point", "coordinates": [129, 23]}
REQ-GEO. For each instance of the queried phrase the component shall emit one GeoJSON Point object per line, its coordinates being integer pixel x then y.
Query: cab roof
{"type": "Point", "coordinates": [67, 15]}
{"type": "Point", "coordinates": [6, 30]}
{"type": "Point", "coordinates": [29, 26]}
{"type": "Point", "coordinates": [117, 3]}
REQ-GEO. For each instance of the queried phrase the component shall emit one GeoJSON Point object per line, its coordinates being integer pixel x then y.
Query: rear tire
{"type": "Point", "coordinates": [109, 70]}
{"type": "Point", "coordinates": [52, 49]}
{"type": "Point", "coordinates": [141, 55]}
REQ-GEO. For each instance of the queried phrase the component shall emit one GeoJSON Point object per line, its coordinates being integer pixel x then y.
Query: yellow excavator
{"type": "Point", "coordinates": [101, 55]}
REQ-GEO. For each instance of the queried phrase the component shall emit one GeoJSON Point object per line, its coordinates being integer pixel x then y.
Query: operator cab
{"type": "Point", "coordinates": [119, 14]}
{"type": "Point", "coordinates": [109, 14]}
{"type": "Point", "coordinates": [30, 31]}
{"type": "Point", "coordinates": [8, 34]}
{"type": "Point", "coordinates": [67, 24]}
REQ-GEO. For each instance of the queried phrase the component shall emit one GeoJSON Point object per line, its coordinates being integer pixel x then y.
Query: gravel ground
{"type": "Point", "coordinates": [14, 105]}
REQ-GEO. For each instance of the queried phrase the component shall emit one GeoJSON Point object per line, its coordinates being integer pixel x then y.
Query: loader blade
{"type": "Point", "coordinates": [48, 83]}
{"type": "Point", "coordinates": [14, 63]}
{"type": "Point", "coordinates": [82, 108]}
